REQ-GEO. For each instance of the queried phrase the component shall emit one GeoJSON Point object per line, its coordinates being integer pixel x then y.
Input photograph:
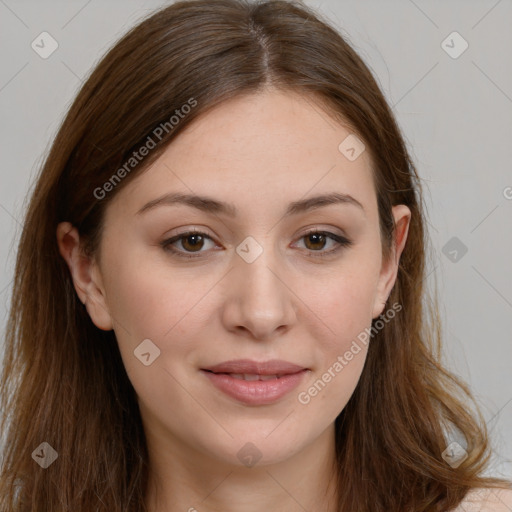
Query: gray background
{"type": "Point", "coordinates": [456, 114]}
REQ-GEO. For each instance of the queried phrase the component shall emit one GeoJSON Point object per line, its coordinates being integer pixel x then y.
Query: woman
{"type": "Point", "coordinates": [218, 299]}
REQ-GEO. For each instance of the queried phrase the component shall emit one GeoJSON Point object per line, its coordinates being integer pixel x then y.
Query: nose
{"type": "Point", "coordinates": [260, 304]}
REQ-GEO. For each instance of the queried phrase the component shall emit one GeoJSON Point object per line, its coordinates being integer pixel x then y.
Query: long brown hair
{"type": "Point", "coordinates": [63, 379]}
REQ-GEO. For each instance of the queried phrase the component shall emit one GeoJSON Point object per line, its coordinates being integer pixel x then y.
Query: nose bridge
{"type": "Point", "coordinates": [259, 301]}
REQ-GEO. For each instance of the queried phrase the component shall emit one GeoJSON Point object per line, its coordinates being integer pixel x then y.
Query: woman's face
{"type": "Point", "coordinates": [253, 286]}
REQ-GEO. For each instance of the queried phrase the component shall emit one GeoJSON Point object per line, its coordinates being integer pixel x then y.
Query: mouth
{"type": "Point", "coordinates": [255, 383]}
{"type": "Point", "coordinates": [251, 376]}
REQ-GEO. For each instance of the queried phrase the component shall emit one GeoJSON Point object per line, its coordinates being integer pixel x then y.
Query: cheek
{"type": "Point", "coordinates": [345, 302]}
{"type": "Point", "coordinates": [148, 298]}
{"type": "Point", "coordinates": [340, 364]}
{"type": "Point", "coordinates": [157, 306]}
{"type": "Point", "coordinates": [168, 307]}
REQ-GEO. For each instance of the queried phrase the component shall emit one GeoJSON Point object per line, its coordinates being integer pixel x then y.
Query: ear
{"type": "Point", "coordinates": [85, 274]}
{"type": "Point", "coordinates": [389, 269]}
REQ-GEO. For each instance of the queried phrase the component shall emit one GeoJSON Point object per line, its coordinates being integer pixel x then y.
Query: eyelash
{"type": "Point", "coordinates": [340, 240]}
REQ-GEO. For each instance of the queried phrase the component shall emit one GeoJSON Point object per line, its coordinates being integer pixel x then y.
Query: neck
{"type": "Point", "coordinates": [181, 479]}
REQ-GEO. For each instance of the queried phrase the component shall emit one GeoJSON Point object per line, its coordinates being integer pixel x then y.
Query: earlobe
{"type": "Point", "coordinates": [389, 270]}
{"type": "Point", "coordinates": [85, 276]}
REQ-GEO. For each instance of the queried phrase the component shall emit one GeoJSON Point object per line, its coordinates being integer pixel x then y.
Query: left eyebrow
{"type": "Point", "coordinates": [210, 205]}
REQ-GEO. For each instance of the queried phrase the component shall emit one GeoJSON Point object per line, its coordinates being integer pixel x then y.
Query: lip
{"type": "Point", "coordinates": [256, 392]}
{"type": "Point", "coordinates": [271, 367]}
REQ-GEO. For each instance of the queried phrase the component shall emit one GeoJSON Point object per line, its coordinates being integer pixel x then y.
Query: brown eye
{"type": "Point", "coordinates": [318, 241]}
{"type": "Point", "coordinates": [315, 241]}
{"type": "Point", "coordinates": [193, 242]}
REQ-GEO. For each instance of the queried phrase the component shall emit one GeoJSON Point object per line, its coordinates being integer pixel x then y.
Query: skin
{"type": "Point", "coordinates": [258, 152]}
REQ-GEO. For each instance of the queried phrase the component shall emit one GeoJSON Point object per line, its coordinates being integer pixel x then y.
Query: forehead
{"type": "Point", "coordinates": [268, 125]}
{"type": "Point", "coordinates": [272, 146]}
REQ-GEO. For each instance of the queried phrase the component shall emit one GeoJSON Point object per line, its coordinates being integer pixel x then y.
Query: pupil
{"type": "Point", "coordinates": [319, 239]}
{"type": "Point", "coordinates": [194, 244]}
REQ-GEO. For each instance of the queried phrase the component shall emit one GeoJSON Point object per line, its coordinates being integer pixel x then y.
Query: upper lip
{"type": "Point", "coordinates": [247, 366]}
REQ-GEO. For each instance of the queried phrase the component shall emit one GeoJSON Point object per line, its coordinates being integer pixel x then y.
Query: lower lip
{"type": "Point", "coordinates": [255, 392]}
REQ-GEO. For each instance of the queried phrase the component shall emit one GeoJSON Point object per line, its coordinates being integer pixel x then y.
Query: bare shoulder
{"type": "Point", "coordinates": [486, 500]}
